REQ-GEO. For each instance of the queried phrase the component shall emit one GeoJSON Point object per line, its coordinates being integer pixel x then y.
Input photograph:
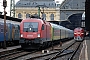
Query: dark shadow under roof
{"type": "Point", "coordinates": [11, 18]}
{"type": "Point", "coordinates": [55, 22]}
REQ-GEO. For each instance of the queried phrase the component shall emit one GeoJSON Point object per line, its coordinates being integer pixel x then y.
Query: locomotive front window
{"type": "Point", "coordinates": [30, 27]}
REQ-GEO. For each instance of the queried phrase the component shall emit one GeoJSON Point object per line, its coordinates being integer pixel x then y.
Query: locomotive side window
{"type": "Point", "coordinates": [30, 27]}
{"type": "Point", "coordinates": [43, 27]}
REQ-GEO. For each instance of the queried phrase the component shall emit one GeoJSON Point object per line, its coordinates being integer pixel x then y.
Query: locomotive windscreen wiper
{"type": "Point", "coordinates": [27, 30]}
{"type": "Point", "coordinates": [31, 28]}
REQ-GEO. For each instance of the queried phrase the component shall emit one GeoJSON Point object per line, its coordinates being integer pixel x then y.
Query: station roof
{"type": "Point", "coordinates": [11, 18]}
{"type": "Point", "coordinates": [35, 3]}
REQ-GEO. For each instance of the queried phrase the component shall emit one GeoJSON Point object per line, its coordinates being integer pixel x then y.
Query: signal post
{"type": "Point", "coordinates": [4, 5]}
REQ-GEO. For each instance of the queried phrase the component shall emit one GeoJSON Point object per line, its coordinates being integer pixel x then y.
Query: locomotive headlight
{"type": "Point", "coordinates": [75, 33]}
{"type": "Point", "coordinates": [21, 35]}
{"type": "Point", "coordinates": [38, 35]}
{"type": "Point", "coordinates": [82, 33]}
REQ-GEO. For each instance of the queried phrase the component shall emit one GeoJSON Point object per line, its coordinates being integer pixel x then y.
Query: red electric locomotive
{"type": "Point", "coordinates": [79, 34]}
{"type": "Point", "coordinates": [34, 33]}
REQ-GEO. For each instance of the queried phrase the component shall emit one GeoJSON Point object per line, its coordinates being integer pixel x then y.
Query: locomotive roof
{"type": "Point", "coordinates": [79, 28]}
{"type": "Point", "coordinates": [32, 19]}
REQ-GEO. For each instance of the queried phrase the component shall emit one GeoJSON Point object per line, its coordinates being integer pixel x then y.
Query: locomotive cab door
{"type": "Point", "coordinates": [44, 31]}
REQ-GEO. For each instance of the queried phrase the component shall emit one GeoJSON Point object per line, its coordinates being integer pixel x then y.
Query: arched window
{"type": "Point", "coordinates": [19, 15]}
{"type": "Point", "coordinates": [52, 16]}
{"type": "Point", "coordinates": [27, 15]}
{"type": "Point", "coordinates": [44, 16]}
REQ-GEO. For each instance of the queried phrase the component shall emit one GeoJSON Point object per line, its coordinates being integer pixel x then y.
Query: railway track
{"type": "Point", "coordinates": [61, 54]}
{"type": "Point", "coordinates": [15, 55]}
{"type": "Point", "coordinates": [38, 55]}
{"type": "Point", "coordinates": [58, 54]}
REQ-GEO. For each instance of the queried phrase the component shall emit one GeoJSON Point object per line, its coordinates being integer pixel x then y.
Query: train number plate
{"type": "Point", "coordinates": [29, 35]}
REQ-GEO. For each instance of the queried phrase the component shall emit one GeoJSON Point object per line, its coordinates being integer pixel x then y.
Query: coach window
{"type": "Point", "coordinates": [27, 15]}
{"type": "Point", "coordinates": [19, 15]}
{"type": "Point", "coordinates": [43, 27]}
{"type": "Point", "coordinates": [52, 16]}
{"type": "Point", "coordinates": [2, 30]}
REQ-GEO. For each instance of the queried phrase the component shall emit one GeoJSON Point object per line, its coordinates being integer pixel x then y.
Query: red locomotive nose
{"type": "Point", "coordinates": [76, 34]}
{"type": "Point", "coordinates": [79, 34]}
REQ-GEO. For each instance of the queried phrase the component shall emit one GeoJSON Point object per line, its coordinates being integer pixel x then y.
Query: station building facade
{"type": "Point", "coordinates": [49, 9]}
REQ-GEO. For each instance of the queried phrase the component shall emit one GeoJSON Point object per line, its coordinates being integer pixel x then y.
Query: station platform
{"type": "Point", "coordinates": [85, 52]}
{"type": "Point", "coordinates": [9, 48]}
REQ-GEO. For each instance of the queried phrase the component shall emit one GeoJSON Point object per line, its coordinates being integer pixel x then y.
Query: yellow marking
{"type": "Point", "coordinates": [56, 37]}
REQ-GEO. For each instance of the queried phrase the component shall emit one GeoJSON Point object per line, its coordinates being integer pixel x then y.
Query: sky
{"type": "Point", "coordinates": [8, 5]}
